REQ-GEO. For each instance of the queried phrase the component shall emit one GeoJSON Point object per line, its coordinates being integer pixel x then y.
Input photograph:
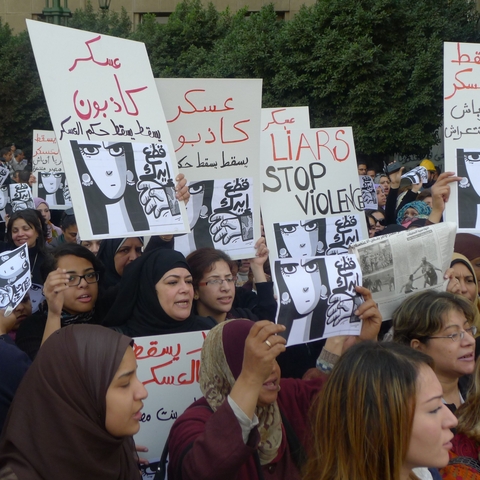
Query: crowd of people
{"type": "Point", "coordinates": [364, 407]}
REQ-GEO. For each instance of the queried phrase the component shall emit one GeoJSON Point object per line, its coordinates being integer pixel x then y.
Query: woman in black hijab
{"type": "Point", "coordinates": [155, 297]}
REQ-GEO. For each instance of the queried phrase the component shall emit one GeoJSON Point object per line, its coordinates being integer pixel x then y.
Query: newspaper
{"type": "Point", "coordinates": [397, 265]}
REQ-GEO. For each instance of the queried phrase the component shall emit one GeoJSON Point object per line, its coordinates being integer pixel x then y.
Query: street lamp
{"type": "Point", "coordinates": [104, 4]}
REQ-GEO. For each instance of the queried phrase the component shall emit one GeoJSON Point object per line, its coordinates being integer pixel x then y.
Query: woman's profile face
{"type": "Point", "coordinates": [124, 400]}
{"type": "Point", "coordinates": [431, 436]}
{"type": "Point", "coordinates": [381, 197]}
{"type": "Point", "coordinates": [175, 293]}
{"type": "Point", "coordinates": [45, 211]}
{"type": "Point", "coordinates": [304, 284]}
{"type": "Point", "coordinates": [51, 181]}
{"type": "Point", "coordinates": [385, 183]}
{"type": "Point", "coordinates": [216, 299]}
{"type": "Point", "coordinates": [468, 286]}
{"type": "Point", "coordinates": [107, 166]}
{"type": "Point", "coordinates": [453, 359]}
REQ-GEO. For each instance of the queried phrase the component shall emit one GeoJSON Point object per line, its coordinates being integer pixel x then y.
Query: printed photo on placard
{"type": "Point", "coordinates": [20, 196]}
{"type": "Point", "coordinates": [126, 185]}
{"type": "Point", "coordinates": [317, 236]}
{"type": "Point", "coordinates": [15, 277]}
{"type": "Point", "coordinates": [468, 167]}
{"type": "Point", "coordinates": [219, 214]}
{"type": "Point", "coordinates": [317, 297]}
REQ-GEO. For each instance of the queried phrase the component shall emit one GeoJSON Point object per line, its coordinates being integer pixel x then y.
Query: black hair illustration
{"type": "Point", "coordinates": [468, 199]}
{"type": "Point", "coordinates": [58, 193]}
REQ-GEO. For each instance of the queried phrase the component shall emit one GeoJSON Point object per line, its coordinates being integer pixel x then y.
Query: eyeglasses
{"type": "Point", "coordinates": [217, 282]}
{"type": "Point", "coordinates": [456, 337]}
{"type": "Point", "coordinates": [74, 280]}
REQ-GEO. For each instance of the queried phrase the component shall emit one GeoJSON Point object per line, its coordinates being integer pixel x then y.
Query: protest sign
{"type": "Point", "coordinates": [4, 173]}
{"type": "Point", "coordinates": [114, 141]}
{"type": "Point", "coordinates": [15, 279]}
{"type": "Point", "coordinates": [369, 193]}
{"type": "Point", "coordinates": [317, 297]}
{"type": "Point", "coordinates": [20, 196]}
{"type": "Point", "coordinates": [168, 366]}
{"type": "Point", "coordinates": [47, 166]}
{"type": "Point", "coordinates": [308, 175]}
{"type": "Point", "coordinates": [462, 130]}
{"type": "Point", "coordinates": [215, 127]}
{"type": "Point", "coordinates": [283, 118]}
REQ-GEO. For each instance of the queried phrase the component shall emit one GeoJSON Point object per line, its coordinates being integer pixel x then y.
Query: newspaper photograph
{"type": "Point", "coordinates": [396, 265]}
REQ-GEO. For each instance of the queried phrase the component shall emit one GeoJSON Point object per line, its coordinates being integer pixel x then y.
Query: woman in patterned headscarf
{"type": "Point", "coordinates": [245, 426]}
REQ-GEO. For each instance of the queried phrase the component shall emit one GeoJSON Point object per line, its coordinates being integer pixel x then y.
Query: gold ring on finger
{"type": "Point", "coordinates": [268, 343]}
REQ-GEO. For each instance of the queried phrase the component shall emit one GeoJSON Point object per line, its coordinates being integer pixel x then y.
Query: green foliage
{"type": "Point", "coordinates": [375, 65]}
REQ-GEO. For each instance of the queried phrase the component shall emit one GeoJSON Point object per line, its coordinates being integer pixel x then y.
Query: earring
{"type": "Point", "coordinates": [130, 178]}
{"type": "Point", "coordinates": [285, 298]}
{"type": "Point", "coordinates": [464, 183]}
{"type": "Point", "coordinates": [196, 296]}
{"type": "Point", "coordinates": [61, 186]}
{"type": "Point", "coordinates": [86, 180]}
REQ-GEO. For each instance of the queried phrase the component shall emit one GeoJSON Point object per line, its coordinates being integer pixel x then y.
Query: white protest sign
{"type": "Point", "coordinates": [15, 279]}
{"type": "Point", "coordinates": [111, 130]}
{"type": "Point", "coordinates": [416, 175]}
{"type": "Point", "coordinates": [308, 175]}
{"type": "Point", "coordinates": [215, 127]}
{"type": "Point", "coordinates": [462, 132]}
{"type": "Point", "coordinates": [47, 166]}
{"type": "Point", "coordinates": [4, 173]}
{"type": "Point", "coordinates": [317, 297]}
{"type": "Point", "coordinates": [283, 118]}
{"type": "Point", "coordinates": [168, 366]}
{"type": "Point", "coordinates": [20, 196]}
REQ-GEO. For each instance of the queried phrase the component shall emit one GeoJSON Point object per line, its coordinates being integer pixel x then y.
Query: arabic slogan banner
{"type": "Point", "coordinates": [215, 127]}
{"type": "Point", "coordinates": [309, 176]}
{"type": "Point", "coordinates": [20, 196]}
{"type": "Point", "coordinates": [462, 132]}
{"type": "Point", "coordinates": [47, 166]}
{"type": "Point", "coordinates": [168, 366]}
{"type": "Point", "coordinates": [283, 118]}
{"type": "Point", "coordinates": [109, 123]}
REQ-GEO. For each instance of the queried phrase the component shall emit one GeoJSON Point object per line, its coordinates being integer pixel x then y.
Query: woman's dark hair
{"type": "Point", "coordinates": [67, 221]}
{"type": "Point", "coordinates": [424, 194]}
{"type": "Point", "coordinates": [202, 260]}
{"type": "Point", "coordinates": [35, 220]}
{"type": "Point", "coordinates": [51, 261]}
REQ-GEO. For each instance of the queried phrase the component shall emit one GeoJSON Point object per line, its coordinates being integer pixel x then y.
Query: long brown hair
{"type": "Point", "coordinates": [362, 419]}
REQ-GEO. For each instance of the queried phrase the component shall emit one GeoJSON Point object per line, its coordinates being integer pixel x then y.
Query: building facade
{"type": "Point", "coordinates": [14, 12]}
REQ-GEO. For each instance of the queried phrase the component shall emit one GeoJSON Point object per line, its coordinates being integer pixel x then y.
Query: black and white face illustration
{"type": "Point", "coordinates": [107, 167]}
{"type": "Point", "coordinates": [12, 267]}
{"type": "Point", "coordinates": [195, 207]}
{"type": "Point", "coordinates": [300, 239]}
{"type": "Point", "coordinates": [51, 181]}
{"type": "Point", "coordinates": [3, 197]}
{"type": "Point", "coordinates": [472, 164]}
{"type": "Point", "coordinates": [304, 284]}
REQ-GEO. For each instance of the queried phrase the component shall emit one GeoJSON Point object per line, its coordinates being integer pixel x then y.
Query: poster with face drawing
{"type": "Point", "coordinates": [461, 131]}
{"type": "Point", "coordinates": [20, 196]}
{"type": "Point", "coordinates": [317, 297]}
{"type": "Point", "coordinates": [111, 131]}
{"type": "Point", "coordinates": [116, 175]}
{"type": "Point", "coordinates": [4, 200]}
{"type": "Point", "coordinates": [215, 126]}
{"type": "Point", "coordinates": [47, 166]}
{"type": "Point", "coordinates": [316, 236]}
{"type": "Point", "coordinates": [4, 173]}
{"type": "Point", "coordinates": [369, 193]}
{"type": "Point", "coordinates": [307, 175]}
{"type": "Point", "coordinates": [15, 279]}
{"type": "Point", "coordinates": [220, 215]}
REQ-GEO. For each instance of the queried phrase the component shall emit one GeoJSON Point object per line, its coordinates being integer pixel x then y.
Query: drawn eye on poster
{"type": "Point", "coordinates": [4, 200]}
{"type": "Point", "coordinates": [47, 166]}
{"type": "Point", "coordinates": [20, 196]}
{"type": "Point", "coordinates": [369, 193]}
{"type": "Point", "coordinates": [316, 236]}
{"type": "Point", "coordinates": [4, 173]}
{"type": "Point", "coordinates": [220, 215]}
{"type": "Point", "coordinates": [317, 297]}
{"type": "Point", "coordinates": [468, 167]}
{"type": "Point", "coordinates": [15, 279]}
{"type": "Point", "coordinates": [126, 186]}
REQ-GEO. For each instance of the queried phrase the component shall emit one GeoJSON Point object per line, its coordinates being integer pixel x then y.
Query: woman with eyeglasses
{"type": "Point", "coordinates": [71, 292]}
{"type": "Point", "coordinates": [214, 285]}
{"type": "Point", "coordinates": [155, 297]}
{"type": "Point", "coordinates": [379, 217]}
{"type": "Point", "coordinates": [440, 324]}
